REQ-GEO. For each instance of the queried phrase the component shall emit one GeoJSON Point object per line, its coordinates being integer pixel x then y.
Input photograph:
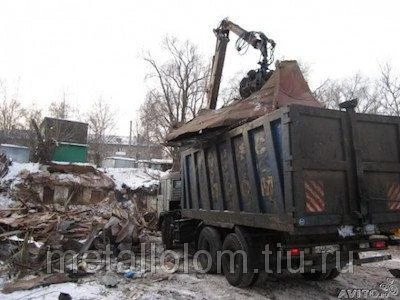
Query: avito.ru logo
{"type": "Point", "coordinates": [387, 289]}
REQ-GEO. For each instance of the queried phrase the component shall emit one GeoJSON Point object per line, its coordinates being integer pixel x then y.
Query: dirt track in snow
{"type": "Point", "coordinates": [204, 286]}
{"type": "Point", "coordinates": [290, 286]}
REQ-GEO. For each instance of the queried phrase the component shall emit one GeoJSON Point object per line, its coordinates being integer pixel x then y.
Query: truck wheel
{"type": "Point", "coordinates": [333, 274]}
{"type": "Point", "coordinates": [319, 276]}
{"type": "Point", "coordinates": [238, 276]}
{"type": "Point", "coordinates": [166, 233]}
{"type": "Point", "coordinates": [210, 241]}
{"type": "Point", "coordinates": [316, 276]}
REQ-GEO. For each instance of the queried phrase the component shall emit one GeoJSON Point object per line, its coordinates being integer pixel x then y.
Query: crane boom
{"type": "Point", "coordinates": [251, 83]}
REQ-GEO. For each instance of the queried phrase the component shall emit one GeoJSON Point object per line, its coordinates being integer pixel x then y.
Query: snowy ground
{"type": "Point", "coordinates": [10, 179]}
{"type": "Point", "coordinates": [134, 178]}
{"type": "Point", "coordinates": [161, 285]}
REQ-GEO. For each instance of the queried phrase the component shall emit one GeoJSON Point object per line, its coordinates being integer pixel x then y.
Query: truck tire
{"type": "Point", "coordinates": [239, 277]}
{"type": "Point", "coordinates": [210, 241]}
{"type": "Point", "coordinates": [319, 276]}
{"type": "Point", "coordinates": [333, 274]}
{"type": "Point", "coordinates": [166, 233]}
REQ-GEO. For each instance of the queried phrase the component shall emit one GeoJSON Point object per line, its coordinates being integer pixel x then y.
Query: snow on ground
{"type": "Point", "coordinates": [134, 178]}
{"type": "Point", "coordinates": [11, 178]}
{"type": "Point", "coordinates": [86, 290]}
{"type": "Point", "coordinates": [16, 168]}
{"type": "Point", "coordinates": [195, 285]}
{"type": "Point", "coordinates": [5, 201]}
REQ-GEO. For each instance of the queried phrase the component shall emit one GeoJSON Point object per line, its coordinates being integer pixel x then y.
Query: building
{"type": "Point", "coordinates": [119, 162]}
{"type": "Point", "coordinates": [120, 146]}
{"type": "Point", "coordinates": [16, 153]}
{"type": "Point", "coordinates": [70, 136]}
{"type": "Point", "coordinates": [63, 130]}
{"type": "Point", "coordinates": [74, 133]}
{"type": "Point", "coordinates": [155, 164]}
{"type": "Point", "coordinates": [20, 137]}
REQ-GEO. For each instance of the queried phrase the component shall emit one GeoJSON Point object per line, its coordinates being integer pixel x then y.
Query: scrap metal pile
{"type": "Point", "coordinates": [29, 230]}
{"type": "Point", "coordinates": [286, 86]}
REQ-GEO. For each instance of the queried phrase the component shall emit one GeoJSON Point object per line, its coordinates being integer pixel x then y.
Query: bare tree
{"type": "Point", "coordinates": [333, 92]}
{"type": "Point", "coordinates": [61, 109]}
{"type": "Point", "coordinates": [389, 90]}
{"type": "Point", "coordinates": [230, 90]}
{"type": "Point", "coordinates": [33, 112]}
{"type": "Point", "coordinates": [11, 110]}
{"type": "Point", "coordinates": [101, 120]}
{"type": "Point", "coordinates": [178, 89]}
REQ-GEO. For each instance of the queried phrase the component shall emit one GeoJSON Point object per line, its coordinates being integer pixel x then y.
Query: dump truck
{"type": "Point", "coordinates": [275, 181]}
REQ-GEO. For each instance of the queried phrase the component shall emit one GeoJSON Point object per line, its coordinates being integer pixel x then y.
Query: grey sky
{"type": "Point", "coordinates": [92, 48]}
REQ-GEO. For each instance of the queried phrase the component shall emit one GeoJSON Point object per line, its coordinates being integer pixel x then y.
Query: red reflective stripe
{"type": "Point", "coordinates": [317, 204]}
{"type": "Point", "coordinates": [315, 193]}
{"type": "Point", "coordinates": [318, 187]}
{"type": "Point", "coordinates": [396, 194]}
{"type": "Point", "coordinates": [393, 195]}
{"type": "Point", "coordinates": [309, 208]}
{"type": "Point", "coordinates": [315, 196]}
{"type": "Point", "coordinates": [390, 190]}
{"type": "Point", "coordinates": [312, 206]}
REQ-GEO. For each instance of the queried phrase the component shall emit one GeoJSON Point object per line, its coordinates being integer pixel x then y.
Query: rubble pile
{"type": "Point", "coordinates": [36, 226]}
{"type": "Point", "coordinates": [28, 231]}
{"type": "Point", "coordinates": [64, 184]}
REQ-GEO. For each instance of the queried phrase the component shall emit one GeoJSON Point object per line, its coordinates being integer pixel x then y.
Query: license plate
{"type": "Point", "coordinates": [326, 249]}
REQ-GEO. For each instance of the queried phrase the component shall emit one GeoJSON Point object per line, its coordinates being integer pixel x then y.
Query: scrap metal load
{"type": "Point", "coordinates": [285, 86]}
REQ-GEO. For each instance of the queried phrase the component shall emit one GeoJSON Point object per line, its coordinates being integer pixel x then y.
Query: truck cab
{"type": "Point", "coordinates": [169, 193]}
{"type": "Point", "coordinates": [168, 204]}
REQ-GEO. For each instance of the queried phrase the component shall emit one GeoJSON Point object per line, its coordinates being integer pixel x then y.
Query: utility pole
{"type": "Point", "coordinates": [130, 138]}
{"type": "Point", "coordinates": [63, 112]}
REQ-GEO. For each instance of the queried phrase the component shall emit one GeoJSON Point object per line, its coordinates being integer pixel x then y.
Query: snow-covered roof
{"type": "Point", "coordinates": [73, 144]}
{"type": "Point", "coordinates": [134, 178]}
{"type": "Point", "coordinates": [121, 158]}
{"type": "Point", "coordinates": [161, 161]}
{"type": "Point", "coordinates": [13, 146]}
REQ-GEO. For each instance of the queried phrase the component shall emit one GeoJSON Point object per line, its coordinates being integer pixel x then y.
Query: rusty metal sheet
{"type": "Point", "coordinates": [286, 86]}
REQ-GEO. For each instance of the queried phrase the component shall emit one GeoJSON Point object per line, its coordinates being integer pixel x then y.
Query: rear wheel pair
{"type": "Point", "coordinates": [232, 255]}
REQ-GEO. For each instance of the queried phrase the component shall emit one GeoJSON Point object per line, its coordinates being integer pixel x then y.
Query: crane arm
{"type": "Point", "coordinates": [256, 39]}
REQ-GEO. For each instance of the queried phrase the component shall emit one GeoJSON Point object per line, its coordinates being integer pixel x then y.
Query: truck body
{"type": "Point", "coordinates": [298, 179]}
{"type": "Point", "coordinates": [300, 170]}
